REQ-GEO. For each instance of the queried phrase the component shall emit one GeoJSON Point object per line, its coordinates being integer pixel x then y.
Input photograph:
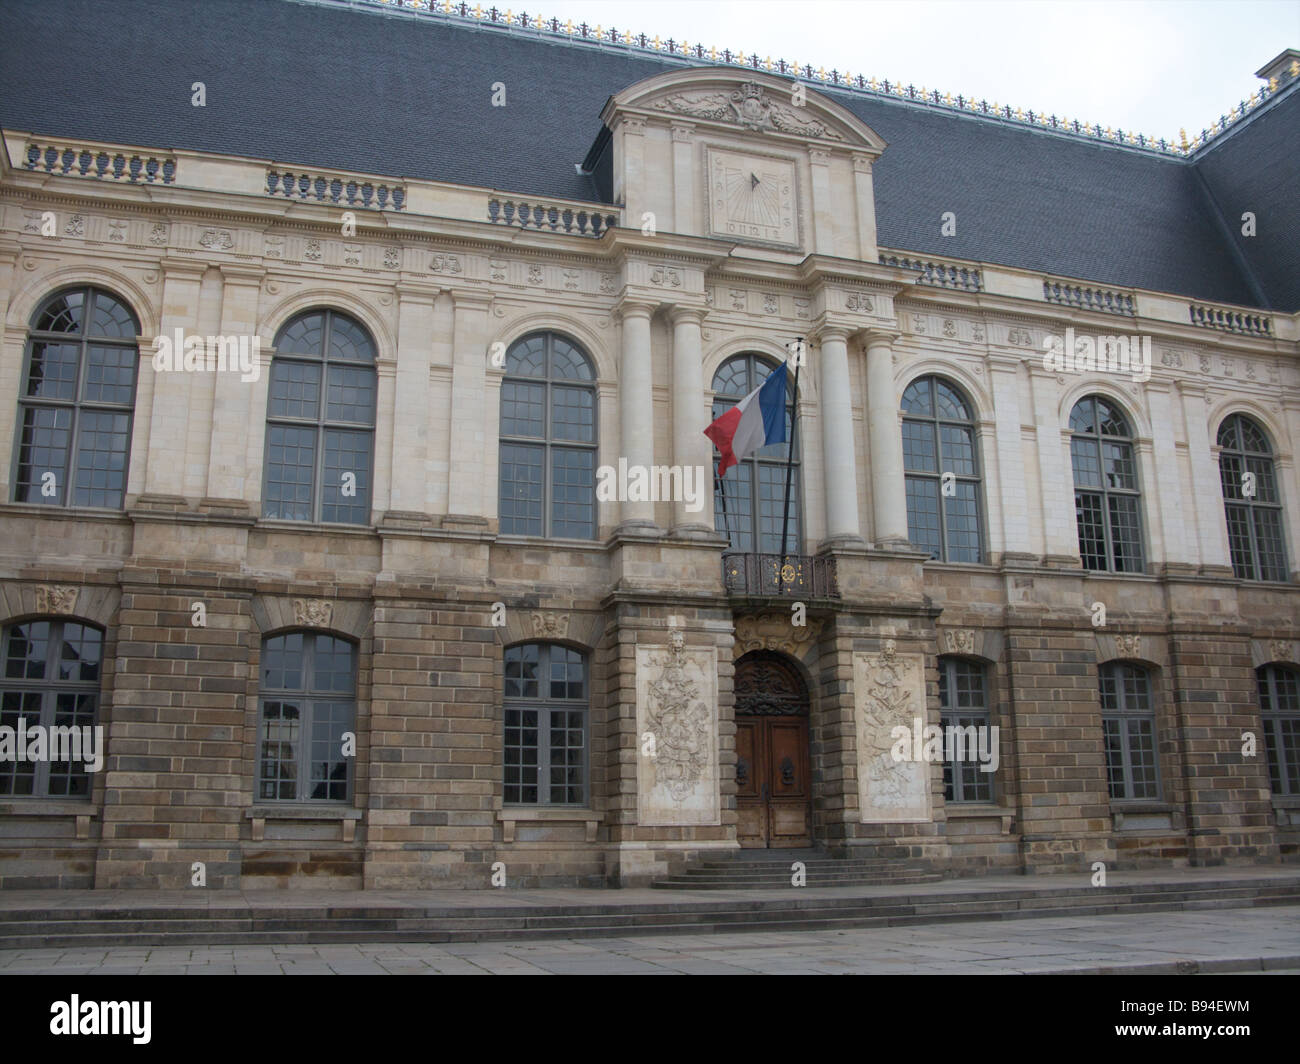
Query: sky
{"type": "Point", "coordinates": [1144, 66]}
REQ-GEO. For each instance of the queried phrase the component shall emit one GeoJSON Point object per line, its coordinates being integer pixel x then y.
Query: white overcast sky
{"type": "Point", "coordinates": [1145, 66]}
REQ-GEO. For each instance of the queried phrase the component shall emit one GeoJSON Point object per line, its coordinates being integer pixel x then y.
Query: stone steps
{"type": "Point", "coordinates": [807, 909]}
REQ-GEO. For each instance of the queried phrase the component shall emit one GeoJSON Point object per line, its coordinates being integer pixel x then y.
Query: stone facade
{"type": "Point", "coordinates": [431, 593]}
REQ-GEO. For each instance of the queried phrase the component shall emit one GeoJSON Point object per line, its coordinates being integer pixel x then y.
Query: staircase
{"type": "Point", "coordinates": [268, 917]}
{"type": "Point", "coordinates": [773, 870]}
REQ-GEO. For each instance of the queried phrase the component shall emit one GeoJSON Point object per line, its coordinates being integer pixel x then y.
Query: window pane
{"type": "Point", "coordinates": [282, 663]}
{"type": "Point", "coordinates": [294, 390]}
{"type": "Point", "coordinates": [950, 404]}
{"type": "Point", "coordinates": [1142, 757]}
{"type": "Point", "coordinates": [290, 471]}
{"type": "Point", "coordinates": [43, 448]}
{"type": "Point", "coordinates": [573, 414]}
{"type": "Point", "coordinates": [351, 395]}
{"type": "Point", "coordinates": [1086, 463]}
{"type": "Point", "coordinates": [19, 777]}
{"type": "Point", "coordinates": [279, 763]}
{"type": "Point", "coordinates": [523, 409]}
{"type": "Point", "coordinates": [961, 511]}
{"type": "Point", "coordinates": [333, 665]}
{"type": "Point", "coordinates": [102, 440]}
{"type": "Point", "coordinates": [1111, 728]}
{"type": "Point", "coordinates": [80, 653]}
{"type": "Point", "coordinates": [923, 514]}
{"type": "Point", "coordinates": [733, 506]}
{"type": "Point", "coordinates": [329, 768]}
{"type": "Point", "coordinates": [919, 454]}
{"type": "Point", "coordinates": [522, 671]}
{"type": "Point", "coordinates": [52, 371]}
{"type": "Point", "coordinates": [110, 375]}
{"type": "Point", "coordinates": [111, 319]}
{"type": "Point", "coordinates": [1092, 533]}
{"type": "Point", "coordinates": [527, 358]}
{"type": "Point", "coordinates": [1119, 466]}
{"type": "Point", "coordinates": [520, 756]}
{"type": "Point", "coordinates": [771, 488]}
{"type": "Point", "coordinates": [1126, 537]}
{"type": "Point", "coordinates": [27, 650]}
{"type": "Point", "coordinates": [521, 489]}
{"type": "Point", "coordinates": [304, 336]}
{"type": "Point", "coordinates": [573, 487]}
{"type": "Point", "coordinates": [567, 363]}
{"type": "Point", "coordinates": [958, 450]}
{"type": "Point", "coordinates": [70, 775]}
{"type": "Point", "coordinates": [345, 491]}
{"type": "Point", "coordinates": [62, 314]}
{"type": "Point", "coordinates": [1268, 534]}
{"type": "Point", "coordinates": [349, 340]}
{"type": "Point", "coordinates": [918, 398]}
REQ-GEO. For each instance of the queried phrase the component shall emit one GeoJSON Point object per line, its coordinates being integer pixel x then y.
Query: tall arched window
{"type": "Point", "coordinates": [51, 680]}
{"type": "Point", "coordinates": [308, 700]}
{"type": "Point", "coordinates": [943, 512]}
{"type": "Point", "coordinates": [1106, 498]}
{"type": "Point", "coordinates": [548, 439]}
{"type": "Point", "coordinates": [1251, 501]}
{"type": "Point", "coordinates": [760, 476]}
{"type": "Point", "coordinates": [545, 757]}
{"type": "Point", "coordinates": [1279, 703]}
{"type": "Point", "coordinates": [1129, 724]}
{"type": "Point", "coordinates": [320, 421]}
{"type": "Point", "coordinates": [76, 401]}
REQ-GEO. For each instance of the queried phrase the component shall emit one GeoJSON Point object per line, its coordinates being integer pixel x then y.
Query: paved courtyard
{"type": "Point", "coordinates": [1222, 940]}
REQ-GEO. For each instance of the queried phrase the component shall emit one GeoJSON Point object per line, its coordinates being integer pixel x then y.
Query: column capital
{"type": "Point", "coordinates": [823, 331]}
{"type": "Point", "coordinates": [680, 312]}
{"type": "Point", "coordinates": [237, 271]}
{"type": "Point", "coordinates": [463, 298]}
{"type": "Point", "coordinates": [879, 337]}
{"type": "Point", "coordinates": [634, 308]}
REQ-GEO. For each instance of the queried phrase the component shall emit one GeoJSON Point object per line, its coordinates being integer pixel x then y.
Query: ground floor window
{"type": "Point", "coordinates": [545, 725]}
{"type": "Point", "coordinates": [963, 704]}
{"type": "Point", "coordinates": [1279, 702]}
{"type": "Point", "coordinates": [1129, 725]}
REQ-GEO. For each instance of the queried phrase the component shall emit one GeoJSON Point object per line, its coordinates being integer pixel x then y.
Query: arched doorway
{"type": "Point", "coordinates": [773, 777]}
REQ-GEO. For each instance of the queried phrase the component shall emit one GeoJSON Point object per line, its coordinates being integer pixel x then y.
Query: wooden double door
{"type": "Point", "coordinates": [773, 777]}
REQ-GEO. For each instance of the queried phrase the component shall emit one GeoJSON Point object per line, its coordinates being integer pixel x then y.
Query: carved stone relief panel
{"type": "Point", "coordinates": [889, 692]}
{"type": "Point", "coordinates": [676, 704]}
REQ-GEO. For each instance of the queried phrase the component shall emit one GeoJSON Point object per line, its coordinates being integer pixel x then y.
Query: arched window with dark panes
{"type": "Point", "coordinates": [1128, 723]}
{"type": "Point", "coordinates": [52, 671]}
{"type": "Point", "coordinates": [546, 729]}
{"type": "Point", "coordinates": [548, 439]}
{"type": "Point", "coordinates": [320, 421]}
{"type": "Point", "coordinates": [1279, 704]}
{"type": "Point", "coordinates": [1107, 501]}
{"type": "Point", "coordinates": [964, 706]}
{"type": "Point", "coordinates": [1251, 501]}
{"type": "Point", "coordinates": [752, 528]}
{"type": "Point", "coordinates": [942, 471]}
{"type": "Point", "coordinates": [308, 697]}
{"type": "Point", "coordinates": [76, 401]}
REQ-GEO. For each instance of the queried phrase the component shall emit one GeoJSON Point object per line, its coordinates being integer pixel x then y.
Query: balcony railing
{"type": "Point", "coordinates": [764, 574]}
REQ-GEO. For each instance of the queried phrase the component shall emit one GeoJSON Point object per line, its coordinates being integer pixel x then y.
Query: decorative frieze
{"type": "Point", "coordinates": [445, 264]}
{"type": "Point", "coordinates": [750, 107]}
{"type": "Point", "coordinates": [218, 240]}
{"type": "Point", "coordinates": [55, 598]}
{"type": "Point", "coordinates": [773, 631]}
{"type": "Point", "coordinates": [677, 735]}
{"type": "Point", "coordinates": [313, 613]}
{"type": "Point", "coordinates": [889, 693]}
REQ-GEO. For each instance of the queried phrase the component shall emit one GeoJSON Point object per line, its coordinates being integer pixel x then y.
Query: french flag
{"type": "Point", "coordinates": [754, 422]}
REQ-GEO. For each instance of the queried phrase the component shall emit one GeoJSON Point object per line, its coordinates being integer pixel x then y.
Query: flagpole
{"type": "Point", "coordinates": [789, 464]}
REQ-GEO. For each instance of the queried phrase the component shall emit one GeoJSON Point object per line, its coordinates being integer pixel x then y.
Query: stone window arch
{"type": "Point", "coordinates": [320, 421]}
{"type": "Point", "coordinates": [1251, 501]}
{"type": "Point", "coordinates": [548, 439]}
{"type": "Point", "coordinates": [939, 438]}
{"type": "Point", "coordinates": [1107, 497]}
{"type": "Point", "coordinates": [77, 401]}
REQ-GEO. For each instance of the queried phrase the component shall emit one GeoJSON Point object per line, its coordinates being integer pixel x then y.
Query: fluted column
{"type": "Point", "coordinates": [838, 450]}
{"type": "Point", "coordinates": [690, 445]}
{"type": "Point", "coordinates": [888, 495]}
{"type": "Point", "coordinates": [636, 407]}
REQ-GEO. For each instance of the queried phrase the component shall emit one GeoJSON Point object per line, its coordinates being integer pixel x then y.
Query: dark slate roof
{"type": "Point", "coordinates": [355, 89]}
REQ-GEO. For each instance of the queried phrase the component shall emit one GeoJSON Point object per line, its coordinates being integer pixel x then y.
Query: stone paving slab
{"type": "Point", "coordinates": [1243, 940]}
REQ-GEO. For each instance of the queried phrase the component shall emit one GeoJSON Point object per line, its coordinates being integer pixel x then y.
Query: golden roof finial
{"type": "Point", "coordinates": [1182, 133]}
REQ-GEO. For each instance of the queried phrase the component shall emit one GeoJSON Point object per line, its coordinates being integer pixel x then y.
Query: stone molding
{"type": "Point", "coordinates": [90, 602]}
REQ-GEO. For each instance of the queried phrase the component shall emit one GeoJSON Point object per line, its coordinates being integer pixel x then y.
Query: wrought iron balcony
{"type": "Point", "coordinates": [765, 574]}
